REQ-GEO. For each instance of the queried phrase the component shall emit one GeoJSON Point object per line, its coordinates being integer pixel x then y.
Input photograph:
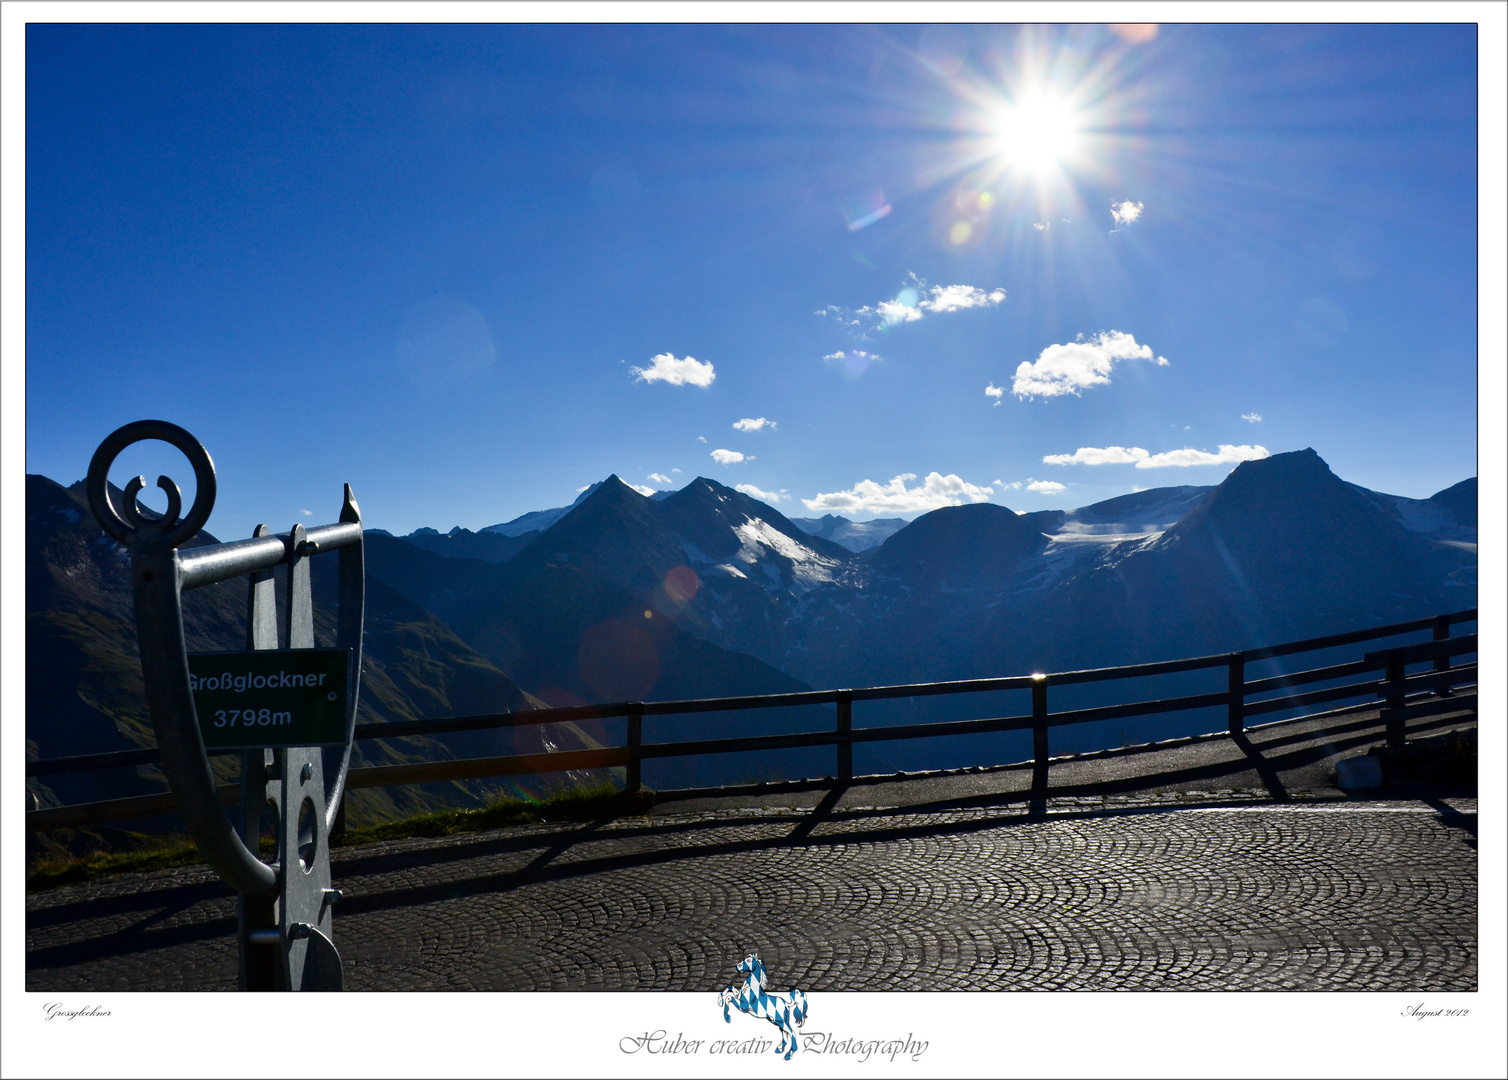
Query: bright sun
{"type": "Point", "coordinates": [1037, 131]}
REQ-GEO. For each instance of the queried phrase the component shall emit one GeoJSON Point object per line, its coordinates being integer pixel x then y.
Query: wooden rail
{"type": "Point", "coordinates": [1241, 698]}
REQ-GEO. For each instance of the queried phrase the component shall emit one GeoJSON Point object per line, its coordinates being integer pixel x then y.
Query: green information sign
{"type": "Point", "coordinates": [292, 697]}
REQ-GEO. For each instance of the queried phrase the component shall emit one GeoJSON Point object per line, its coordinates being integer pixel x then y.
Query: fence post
{"type": "Point", "coordinates": [1235, 709]}
{"type": "Point", "coordinates": [635, 741]}
{"type": "Point", "coordinates": [1395, 690]}
{"type": "Point", "coordinates": [845, 734]}
{"type": "Point", "coordinates": [1039, 721]}
{"type": "Point", "coordinates": [1442, 663]}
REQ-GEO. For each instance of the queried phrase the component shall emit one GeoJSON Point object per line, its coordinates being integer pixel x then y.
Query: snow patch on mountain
{"type": "Point", "coordinates": [807, 567]}
{"type": "Point", "coordinates": [1421, 516]}
{"type": "Point", "coordinates": [1138, 514]}
{"type": "Point", "coordinates": [1072, 531]}
{"type": "Point", "coordinates": [1069, 553]}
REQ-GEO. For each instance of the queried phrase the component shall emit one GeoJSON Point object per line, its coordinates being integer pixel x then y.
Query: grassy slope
{"type": "Point", "coordinates": [602, 801]}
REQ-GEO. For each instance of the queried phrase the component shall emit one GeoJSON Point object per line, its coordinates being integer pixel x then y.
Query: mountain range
{"type": "Point", "coordinates": [708, 592]}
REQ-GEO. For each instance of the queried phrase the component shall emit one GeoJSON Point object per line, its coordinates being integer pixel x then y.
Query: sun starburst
{"type": "Point", "coordinates": [1037, 132]}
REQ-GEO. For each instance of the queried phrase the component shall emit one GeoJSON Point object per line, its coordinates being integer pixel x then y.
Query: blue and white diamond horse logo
{"type": "Point", "coordinates": [785, 1011]}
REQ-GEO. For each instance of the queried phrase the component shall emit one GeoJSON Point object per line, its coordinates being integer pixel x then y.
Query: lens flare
{"type": "Point", "coordinates": [618, 661]}
{"type": "Point", "coordinates": [1135, 33]}
{"type": "Point", "coordinates": [444, 345]}
{"type": "Point", "coordinates": [681, 584]}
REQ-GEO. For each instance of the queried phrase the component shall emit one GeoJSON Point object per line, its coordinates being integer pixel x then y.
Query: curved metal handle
{"type": "Point", "coordinates": [351, 618]}
{"type": "Point", "coordinates": [128, 524]}
{"type": "Point", "coordinates": [157, 587]}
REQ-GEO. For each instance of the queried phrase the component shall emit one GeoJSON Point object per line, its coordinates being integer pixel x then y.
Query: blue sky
{"type": "Point", "coordinates": [472, 269]}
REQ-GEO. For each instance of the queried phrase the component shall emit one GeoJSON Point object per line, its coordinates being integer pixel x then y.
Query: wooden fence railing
{"type": "Point", "coordinates": [1242, 700]}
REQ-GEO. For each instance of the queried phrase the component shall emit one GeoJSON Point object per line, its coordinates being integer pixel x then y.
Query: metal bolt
{"type": "Point", "coordinates": [333, 896]}
{"type": "Point", "coordinates": [299, 930]}
{"type": "Point", "coordinates": [265, 937]}
{"type": "Point", "coordinates": [306, 772]}
{"type": "Point", "coordinates": [308, 547]}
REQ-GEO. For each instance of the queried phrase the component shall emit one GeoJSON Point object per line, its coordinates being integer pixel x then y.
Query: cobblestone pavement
{"type": "Point", "coordinates": [1234, 893]}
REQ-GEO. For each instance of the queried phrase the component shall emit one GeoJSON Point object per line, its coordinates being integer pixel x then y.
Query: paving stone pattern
{"type": "Point", "coordinates": [1101, 894]}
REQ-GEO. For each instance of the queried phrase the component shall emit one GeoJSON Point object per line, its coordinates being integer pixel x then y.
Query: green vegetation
{"type": "Point", "coordinates": [51, 870]}
{"type": "Point", "coordinates": [577, 804]}
{"type": "Point", "coordinates": [603, 801]}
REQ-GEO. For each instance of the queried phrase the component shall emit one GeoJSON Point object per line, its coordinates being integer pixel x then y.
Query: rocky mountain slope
{"type": "Point", "coordinates": [85, 695]}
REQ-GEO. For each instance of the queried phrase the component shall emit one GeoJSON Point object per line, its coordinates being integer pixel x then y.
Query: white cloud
{"type": "Point", "coordinates": [958, 297]}
{"type": "Point", "coordinates": [755, 493]}
{"type": "Point", "coordinates": [1069, 368]}
{"type": "Point", "coordinates": [1041, 226]}
{"type": "Point", "coordinates": [675, 470]}
{"type": "Point", "coordinates": [892, 312]}
{"type": "Point", "coordinates": [853, 363]}
{"type": "Point", "coordinates": [843, 315]}
{"type": "Point", "coordinates": [701, 438]}
{"type": "Point", "coordinates": [307, 513]}
{"type": "Point", "coordinates": [730, 457]}
{"type": "Point", "coordinates": [1046, 487]}
{"type": "Point", "coordinates": [996, 392]}
{"type": "Point", "coordinates": [666, 368]}
{"type": "Point", "coordinates": [1252, 418]}
{"type": "Point", "coordinates": [910, 304]}
{"type": "Point", "coordinates": [1099, 455]}
{"type": "Point", "coordinates": [642, 490]}
{"type": "Point", "coordinates": [1228, 455]}
{"type": "Point", "coordinates": [1123, 455]}
{"type": "Point", "coordinates": [1125, 213]}
{"type": "Point", "coordinates": [895, 498]}
{"type": "Point", "coordinates": [582, 488]}
{"type": "Point", "coordinates": [659, 478]}
{"type": "Point", "coordinates": [754, 425]}
{"type": "Point", "coordinates": [852, 357]}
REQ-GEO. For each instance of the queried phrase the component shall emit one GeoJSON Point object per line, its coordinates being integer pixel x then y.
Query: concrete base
{"type": "Point", "coordinates": [1358, 772]}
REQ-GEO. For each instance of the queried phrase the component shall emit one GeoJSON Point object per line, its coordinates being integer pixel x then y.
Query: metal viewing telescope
{"type": "Point", "coordinates": [290, 708]}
